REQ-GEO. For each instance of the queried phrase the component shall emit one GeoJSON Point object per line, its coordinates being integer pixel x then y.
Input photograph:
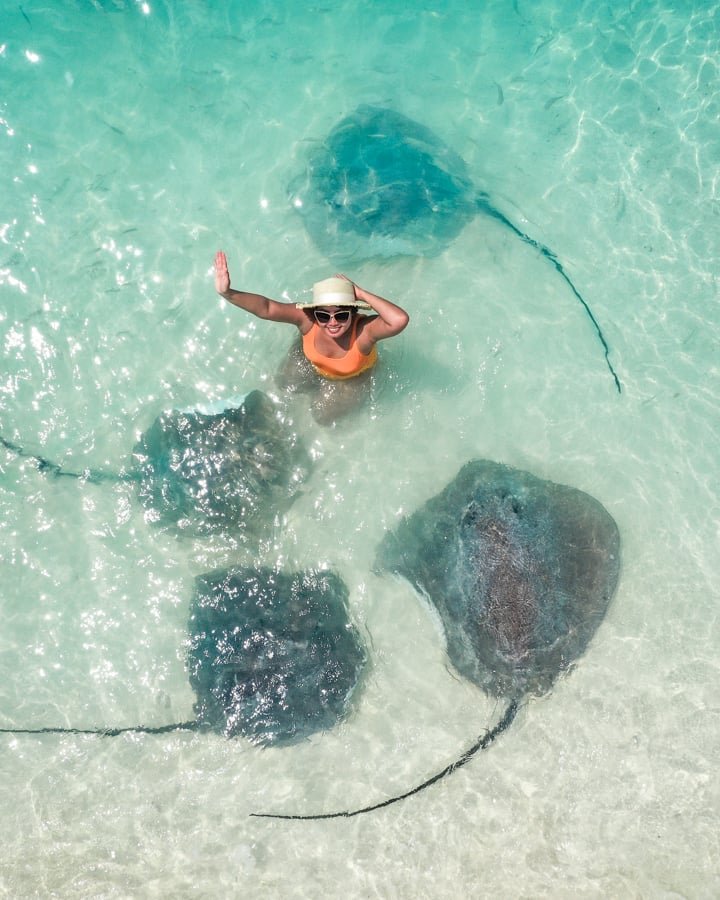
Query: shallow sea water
{"type": "Point", "coordinates": [137, 138]}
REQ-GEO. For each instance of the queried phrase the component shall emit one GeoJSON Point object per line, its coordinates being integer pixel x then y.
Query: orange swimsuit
{"type": "Point", "coordinates": [348, 366]}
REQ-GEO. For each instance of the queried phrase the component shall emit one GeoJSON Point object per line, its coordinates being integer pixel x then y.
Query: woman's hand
{"type": "Point", "coordinates": [222, 276]}
{"type": "Point", "coordinates": [350, 281]}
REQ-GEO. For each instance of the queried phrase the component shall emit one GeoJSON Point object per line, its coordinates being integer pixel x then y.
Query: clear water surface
{"type": "Point", "coordinates": [135, 139]}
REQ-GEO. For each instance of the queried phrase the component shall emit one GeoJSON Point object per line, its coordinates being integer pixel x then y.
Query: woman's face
{"type": "Point", "coordinates": [335, 320]}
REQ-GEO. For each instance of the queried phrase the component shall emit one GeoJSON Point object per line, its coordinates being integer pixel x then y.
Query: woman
{"type": "Point", "coordinates": [336, 350]}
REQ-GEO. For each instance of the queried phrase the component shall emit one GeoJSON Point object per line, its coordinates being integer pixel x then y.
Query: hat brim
{"type": "Point", "coordinates": [358, 304]}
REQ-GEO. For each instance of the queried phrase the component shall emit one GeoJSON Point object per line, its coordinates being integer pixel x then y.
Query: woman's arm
{"type": "Point", "coordinates": [262, 307]}
{"type": "Point", "coordinates": [391, 319]}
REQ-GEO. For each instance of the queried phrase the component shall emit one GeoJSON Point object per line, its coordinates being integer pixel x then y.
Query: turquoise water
{"type": "Point", "coordinates": [137, 138]}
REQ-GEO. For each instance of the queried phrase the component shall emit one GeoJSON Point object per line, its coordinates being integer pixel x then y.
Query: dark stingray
{"type": "Point", "coordinates": [231, 471]}
{"type": "Point", "coordinates": [222, 472]}
{"type": "Point", "coordinates": [521, 572]}
{"type": "Point", "coordinates": [272, 657]}
{"type": "Point", "coordinates": [383, 185]}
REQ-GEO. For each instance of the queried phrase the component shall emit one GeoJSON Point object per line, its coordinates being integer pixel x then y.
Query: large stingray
{"type": "Point", "coordinates": [272, 656]}
{"type": "Point", "coordinates": [383, 185]}
{"type": "Point", "coordinates": [202, 473]}
{"type": "Point", "coordinates": [521, 572]}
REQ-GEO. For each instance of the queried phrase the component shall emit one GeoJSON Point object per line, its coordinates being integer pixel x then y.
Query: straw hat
{"type": "Point", "coordinates": [334, 292]}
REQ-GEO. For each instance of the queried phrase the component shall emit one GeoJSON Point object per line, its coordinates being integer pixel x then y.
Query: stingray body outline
{"type": "Point", "coordinates": [201, 473]}
{"type": "Point", "coordinates": [383, 185]}
{"type": "Point", "coordinates": [272, 656]}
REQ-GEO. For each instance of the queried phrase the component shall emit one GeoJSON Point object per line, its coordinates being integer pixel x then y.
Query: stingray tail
{"type": "Point", "coordinates": [110, 732]}
{"type": "Point", "coordinates": [484, 204]}
{"type": "Point", "coordinates": [482, 744]}
{"type": "Point", "coordinates": [50, 468]}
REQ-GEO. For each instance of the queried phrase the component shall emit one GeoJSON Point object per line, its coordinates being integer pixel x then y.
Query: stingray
{"type": "Point", "coordinates": [272, 657]}
{"type": "Point", "coordinates": [204, 473]}
{"type": "Point", "coordinates": [382, 185]}
{"type": "Point", "coordinates": [520, 571]}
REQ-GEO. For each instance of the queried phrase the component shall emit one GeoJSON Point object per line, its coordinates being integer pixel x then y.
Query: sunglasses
{"type": "Point", "coordinates": [341, 316]}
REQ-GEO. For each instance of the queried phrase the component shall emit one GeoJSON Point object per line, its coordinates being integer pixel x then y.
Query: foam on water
{"type": "Point", "coordinates": [136, 139]}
